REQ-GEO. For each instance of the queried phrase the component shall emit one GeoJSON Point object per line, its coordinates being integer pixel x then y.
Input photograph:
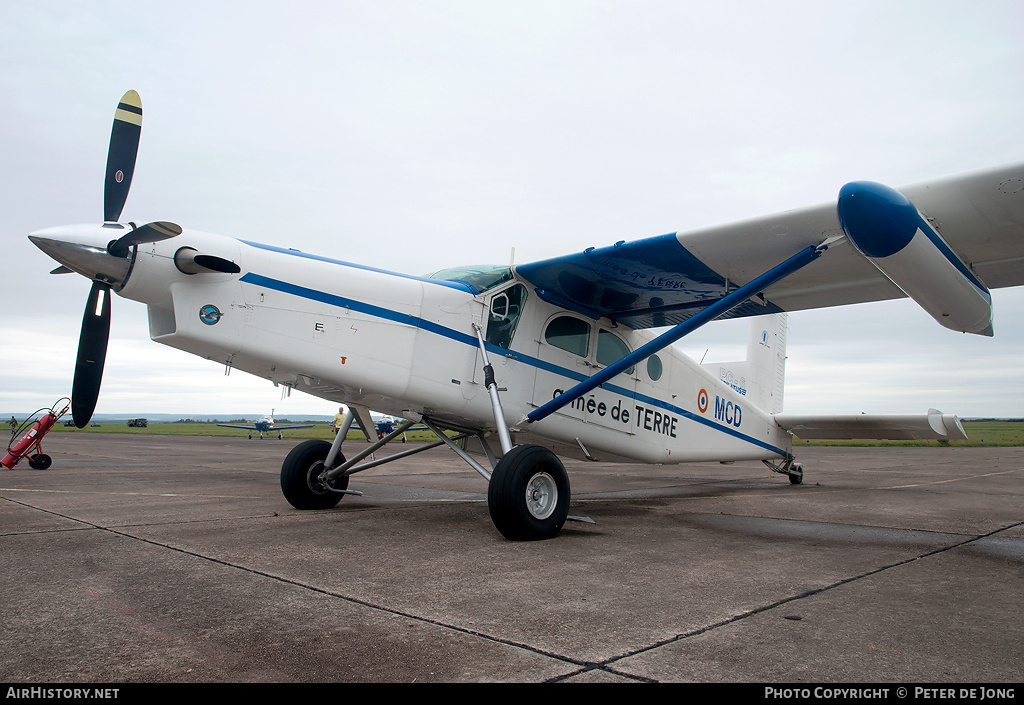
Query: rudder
{"type": "Point", "coordinates": [762, 376]}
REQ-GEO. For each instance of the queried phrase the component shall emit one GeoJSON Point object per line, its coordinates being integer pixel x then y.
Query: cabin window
{"type": "Point", "coordinates": [654, 368]}
{"type": "Point", "coordinates": [569, 334]}
{"type": "Point", "coordinates": [611, 349]}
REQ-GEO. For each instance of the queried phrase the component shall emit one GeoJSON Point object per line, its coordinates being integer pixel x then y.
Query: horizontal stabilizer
{"type": "Point", "coordinates": [931, 426]}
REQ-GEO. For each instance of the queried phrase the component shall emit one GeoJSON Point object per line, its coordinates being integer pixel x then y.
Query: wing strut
{"type": "Point", "coordinates": [723, 305]}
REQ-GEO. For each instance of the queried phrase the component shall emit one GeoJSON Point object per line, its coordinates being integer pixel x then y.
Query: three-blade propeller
{"type": "Point", "coordinates": [92, 344]}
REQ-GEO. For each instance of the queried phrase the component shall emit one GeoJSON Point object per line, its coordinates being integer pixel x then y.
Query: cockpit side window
{"type": "Point", "coordinates": [569, 333]}
{"type": "Point", "coordinates": [503, 315]}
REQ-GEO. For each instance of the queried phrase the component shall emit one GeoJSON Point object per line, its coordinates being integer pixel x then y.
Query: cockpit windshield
{"type": "Point", "coordinates": [479, 277]}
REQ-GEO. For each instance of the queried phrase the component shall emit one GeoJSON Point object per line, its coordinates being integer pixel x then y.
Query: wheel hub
{"type": "Point", "coordinates": [313, 479]}
{"type": "Point", "coordinates": [541, 495]}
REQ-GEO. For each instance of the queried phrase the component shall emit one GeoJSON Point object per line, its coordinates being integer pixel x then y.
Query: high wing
{"type": "Point", "coordinates": [664, 280]}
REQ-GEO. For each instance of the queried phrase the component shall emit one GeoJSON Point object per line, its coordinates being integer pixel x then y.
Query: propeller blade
{"type": "Point", "coordinates": [150, 232]}
{"type": "Point", "coordinates": [124, 147]}
{"type": "Point", "coordinates": [92, 351]}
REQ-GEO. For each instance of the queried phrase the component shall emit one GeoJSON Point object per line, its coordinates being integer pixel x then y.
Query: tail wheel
{"type": "Point", "coordinates": [300, 477]}
{"type": "Point", "coordinates": [528, 495]}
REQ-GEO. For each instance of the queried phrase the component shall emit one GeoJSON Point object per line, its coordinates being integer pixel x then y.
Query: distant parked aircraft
{"type": "Point", "coordinates": [265, 425]}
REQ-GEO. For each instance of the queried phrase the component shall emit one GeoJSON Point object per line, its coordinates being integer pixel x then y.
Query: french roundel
{"type": "Point", "coordinates": [702, 400]}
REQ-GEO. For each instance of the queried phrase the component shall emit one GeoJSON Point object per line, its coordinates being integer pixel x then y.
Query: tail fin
{"type": "Point", "coordinates": [762, 376]}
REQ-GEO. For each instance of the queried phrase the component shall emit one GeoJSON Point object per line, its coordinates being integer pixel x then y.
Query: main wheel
{"type": "Point", "coordinates": [796, 474]}
{"type": "Point", "coordinates": [40, 462]}
{"type": "Point", "coordinates": [300, 477]}
{"type": "Point", "coordinates": [528, 495]}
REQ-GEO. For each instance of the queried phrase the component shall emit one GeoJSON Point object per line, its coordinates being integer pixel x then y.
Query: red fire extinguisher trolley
{"type": "Point", "coordinates": [27, 439]}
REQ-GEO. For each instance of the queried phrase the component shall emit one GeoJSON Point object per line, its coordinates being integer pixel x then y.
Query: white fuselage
{"type": "Point", "coordinates": [406, 346]}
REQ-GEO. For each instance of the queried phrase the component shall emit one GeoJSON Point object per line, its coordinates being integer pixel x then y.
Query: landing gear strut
{"type": "Point", "coordinates": [527, 492]}
{"type": "Point", "coordinates": [789, 467]}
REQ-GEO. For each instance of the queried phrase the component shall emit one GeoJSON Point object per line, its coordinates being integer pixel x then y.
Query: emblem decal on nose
{"type": "Point", "coordinates": [210, 314]}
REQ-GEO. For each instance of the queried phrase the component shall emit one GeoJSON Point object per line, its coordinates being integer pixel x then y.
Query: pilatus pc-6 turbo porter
{"type": "Point", "coordinates": [265, 424]}
{"type": "Point", "coordinates": [554, 357]}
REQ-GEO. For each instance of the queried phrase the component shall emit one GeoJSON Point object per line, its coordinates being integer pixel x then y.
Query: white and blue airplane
{"type": "Point", "coordinates": [569, 356]}
{"type": "Point", "coordinates": [265, 424]}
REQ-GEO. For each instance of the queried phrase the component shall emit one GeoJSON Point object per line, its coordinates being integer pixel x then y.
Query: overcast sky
{"type": "Point", "coordinates": [413, 136]}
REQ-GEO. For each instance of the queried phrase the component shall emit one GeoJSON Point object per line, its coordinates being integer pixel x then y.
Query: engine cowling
{"type": "Point", "coordinates": [888, 229]}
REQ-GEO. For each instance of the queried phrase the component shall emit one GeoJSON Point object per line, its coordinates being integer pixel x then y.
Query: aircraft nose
{"type": "Point", "coordinates": [83, 249]}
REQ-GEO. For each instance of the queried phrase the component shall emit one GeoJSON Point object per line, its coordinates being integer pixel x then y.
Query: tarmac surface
{"type": "Point", "coordinates": [149, 559]}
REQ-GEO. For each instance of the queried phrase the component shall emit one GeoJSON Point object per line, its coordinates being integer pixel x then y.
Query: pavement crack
{"type": "Point", "coordinates": [347, 598]}
{"type": "Point", "coordinates": [122, 532]}
{"type": "Point", "coordinates": [605, 664]}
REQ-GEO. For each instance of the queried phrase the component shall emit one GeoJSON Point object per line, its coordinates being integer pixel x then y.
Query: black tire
{"type": "Point", "coordinates": [528, 495]}
{"type": "Point", "coordinates": [299, 473]}
{"type": "Point", "coordinates": [796, 474]}
{"type": "Point", "coordinates": [40, 462]}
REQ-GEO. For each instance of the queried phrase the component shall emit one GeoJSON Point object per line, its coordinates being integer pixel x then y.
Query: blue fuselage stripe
{"type": "Point", "coordinates": [443, 331]}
